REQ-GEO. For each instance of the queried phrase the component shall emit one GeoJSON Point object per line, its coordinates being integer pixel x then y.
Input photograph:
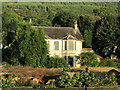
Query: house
{"type": "Point", "coordinates": [64, 42]}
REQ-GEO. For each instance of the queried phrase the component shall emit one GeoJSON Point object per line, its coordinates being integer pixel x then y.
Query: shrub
{"type": "Point", "coordinates": [56, 62]}
{"type": "Point", "coordinates": [107, 62]}
{"type": "Point", "coordinates": [88, 59]}
{"type": "Point", "coordinates": [84, 79]}
{"type": "Point", "coordinates": [64, 80]}
{"type": "Point", "coordinates": [109, 81]}
{"type": "Point", "coordinates": [5, 64]}
{"type": "Point", "coordinates": [9, 81]}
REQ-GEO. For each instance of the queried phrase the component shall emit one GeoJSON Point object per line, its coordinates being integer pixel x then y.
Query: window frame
{"type": "Point", "coordinates": [56, 45]}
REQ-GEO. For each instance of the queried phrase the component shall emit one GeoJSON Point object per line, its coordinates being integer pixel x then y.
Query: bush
{"type": "Point", "coordinates": [84, 79]}
{"type": "Point", "coordinates": [9, 81]}
{"type": "Point", "coordinates": [56, 62]}
{"type": "Point", "coordinates": [109, 81]}
{"type": "Point", "coordinates": [107, 62]}
{"type": "Point", "coordinates": [88, 59]}
{"type": "Point", "coordinates": [5, 64]}
{"type": "Point", "coordinates": [64, 80]}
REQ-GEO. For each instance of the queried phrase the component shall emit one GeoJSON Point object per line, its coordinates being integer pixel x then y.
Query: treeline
{"type": "Point", "coordinates": [43, 13]}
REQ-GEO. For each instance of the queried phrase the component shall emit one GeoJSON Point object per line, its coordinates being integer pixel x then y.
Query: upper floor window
{"type": "Point", "coordinates": [56, 45]}
{"type": "Point", "coordinates": [71, 45]}
{"type": "Point", "coordinates": [65, 45]}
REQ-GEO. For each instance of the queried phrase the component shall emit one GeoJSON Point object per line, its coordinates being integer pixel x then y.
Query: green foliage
{"type": "Point", "coordinates": [88, 38]}
{"type": "Point", "coordinates": [56, 62]}
{"type": "Point", "coordinates": [64, 19]}
{"type": "Point", "coordinates": [105, 35]}
{"type": "Point", "coordinates": [107, 62]}
{"type": "Point", "coordinates": [118, 79]}
{"type": "Point", "coordinates": [10, 22]}
{"type": "Point", "coordinates": [83, 79]}
{"type": "Point", "coordinates": [36, 10]}
{"type": "Point", "coordinates": [34, 49]}
{"type": "Point", "coordinates": [9, 81]}
{"type": "Point", "coordinates": [109, 81]}
{"type": "Point", "coordinates": [102, 12]}
{"type": "Point", "coordinates": [27, 48]}
{"type": "Point", "coordinates": [64, 80]}
{"type": "Point", "coordinates": [44, 22]}
{"type": "Point", "coordinates": [5, 64]}
{"type": "Point", "coordinates": [32, 46]}
{"type": "Point", "coordinates": [6, 55]}
{"type": "Point", "coordinates": [88, 59]}
{"type": "Point", "coordinates": [86, 28]}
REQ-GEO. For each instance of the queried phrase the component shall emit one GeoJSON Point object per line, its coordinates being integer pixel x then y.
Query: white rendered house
{"type": "Point", "coordinates": [64, 42]}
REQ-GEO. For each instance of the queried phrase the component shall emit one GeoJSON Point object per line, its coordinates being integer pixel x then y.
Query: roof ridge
{"type": "Point", "coordinates": [51, 27]}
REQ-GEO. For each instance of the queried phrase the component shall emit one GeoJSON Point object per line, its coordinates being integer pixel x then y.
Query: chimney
{"type": "Point", "coordinates": [75, 25]}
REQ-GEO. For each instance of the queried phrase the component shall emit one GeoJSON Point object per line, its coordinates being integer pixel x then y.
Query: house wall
{"type": "Point", "coordinates": [62, 52]}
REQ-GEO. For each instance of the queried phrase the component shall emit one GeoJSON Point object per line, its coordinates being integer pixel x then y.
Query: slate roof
{"type": "Point", "coordinates": [61, 32]}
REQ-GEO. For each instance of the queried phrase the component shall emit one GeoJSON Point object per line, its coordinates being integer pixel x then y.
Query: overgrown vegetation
{"type": "Point", "coordinates": [56, 62]}
{"type": "Point", "coordinates": [88, 59]}
{"type": "Point", "coordinates": [84, 79]}
{"type": "Point", "coordinates": [9, 80]}
{"type": "Point", "coordinates": [26, 47]}
{"type": "Point", "coordinates": [107, 62]}
{"type": "Point", "coordinates": [66, 78]}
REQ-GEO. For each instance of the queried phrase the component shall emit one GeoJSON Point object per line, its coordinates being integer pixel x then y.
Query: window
{"type": "Point", "coordinates": [65, 45]}
{"type": "Point", "coordinates": [71, 45]}
{"type": "Point", "coordinates": [56, 45]}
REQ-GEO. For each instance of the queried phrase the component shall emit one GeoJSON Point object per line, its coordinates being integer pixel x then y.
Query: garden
{"type": "Point", "coordinates": [41, 78]}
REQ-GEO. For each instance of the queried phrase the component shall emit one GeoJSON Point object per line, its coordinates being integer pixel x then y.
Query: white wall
{"type": "Point", "coordinates": [62, 52]}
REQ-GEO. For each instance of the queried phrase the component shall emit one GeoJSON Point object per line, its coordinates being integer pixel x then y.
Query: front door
{"type": "Point", "coordinates": [70, 61]}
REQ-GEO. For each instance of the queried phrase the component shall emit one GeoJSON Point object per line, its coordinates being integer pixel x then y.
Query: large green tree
{"type": "Point", "coordinates": [86, 28]}
{"type": "Point", "coordinates": [106, 36]}
{"type": "Point", "coordinates": [10, 22]}
{"type": "Point", "coordinates": [28, 47]}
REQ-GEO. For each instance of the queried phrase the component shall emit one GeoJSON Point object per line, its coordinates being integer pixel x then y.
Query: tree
{"type": "Point", "coordinates": [106, 36]}
{"type": "Point", "coordinates": [102, 12]}
{"type": "Point", "coordinates": [88, 38]}
{"type": "Point", "coordinates": [32, 46]}
{"type": "Point", "coordinates": [10, 22]}
{"type": "Point", "coordinates": [29, 46]}
{"type": "Point", "coordinates": [86, 28]}
{"type": "Point", "coordinates": [88, 59]}
{"type": "Point", "coordinates": [64, 19]}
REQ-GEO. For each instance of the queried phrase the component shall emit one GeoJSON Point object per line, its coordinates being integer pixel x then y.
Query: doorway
{"type": "Point", "coordinates": [70, 60]}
